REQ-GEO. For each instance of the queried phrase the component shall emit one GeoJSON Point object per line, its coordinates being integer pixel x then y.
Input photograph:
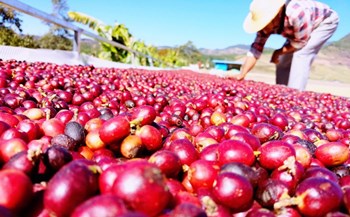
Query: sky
{"type": "Point", "coordinates": [211, 24]}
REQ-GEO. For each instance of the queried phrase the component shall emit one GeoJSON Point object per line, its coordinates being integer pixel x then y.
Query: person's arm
{"type": "Point", "coordinates": [247, 66]}
{"type": "Point", "coordinates": [287, 48]}
{"type": "Point", "coordinates": [301, 21]}
{"type": "Point", "coordinates": [253, 55]}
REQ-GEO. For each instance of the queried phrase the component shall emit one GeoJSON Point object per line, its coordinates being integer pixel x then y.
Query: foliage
{"type": "Point", "coordinates": [11, 38]}
{"type": "Point", "coordinates": [9, 17]}
{"type": "Point", "coordinates": [182, 55]}
{"type": "Point", "coordinates": [117, 33]}
{"type": "Point", "coordinates": [189, 52]}
{"type": "Point", "coordinates": [141, 47]}
{"type": "Point", "coordinates": [179, 56]}
{"type": "Point", "coordinates": [49, 41]}
{"type": "Point", "coordinates": [58, 38]}
{"type": "Point", "coordinates": [55, 42]}
{"type": "Point", "coordinates": [59, 10]}
{"type": "Point", "coordinates": [90, 47]}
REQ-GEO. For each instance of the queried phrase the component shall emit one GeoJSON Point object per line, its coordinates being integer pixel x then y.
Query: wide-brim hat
{"type": "Point", "coordinates": [261, 13]}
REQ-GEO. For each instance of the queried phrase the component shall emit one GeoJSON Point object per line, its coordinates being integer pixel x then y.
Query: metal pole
{"type": "Point", "coordinates": [76, 41]}
{"type": "Point", "coordinates": [19, 6]}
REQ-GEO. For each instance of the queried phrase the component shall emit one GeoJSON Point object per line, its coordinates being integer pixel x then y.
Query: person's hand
{"type": "Point", "coordinates": [275, 56]}
{"type": "Point", "coordinates": [238, 77]}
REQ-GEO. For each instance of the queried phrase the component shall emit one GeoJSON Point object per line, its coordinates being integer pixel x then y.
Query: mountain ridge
{"type": "Point", "coordinates": [234, 49]}
{"type": "Point", "coordinates": [338, 48]}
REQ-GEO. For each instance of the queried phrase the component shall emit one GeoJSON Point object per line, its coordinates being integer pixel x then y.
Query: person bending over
{"type": "Point", "coordinates": [306, 25]}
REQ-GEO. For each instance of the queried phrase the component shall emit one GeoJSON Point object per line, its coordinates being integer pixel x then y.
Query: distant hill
{"type": "Point", "coordinates": [332, 63]}
{"type": "Point", "coordinates": [232, 50]}
{"type": "Point", "coordinates": [342, 44]}
{"type": "Point", "coordinates": [337, 48]}
{"type": "Point", "coordinates": [338, 51]}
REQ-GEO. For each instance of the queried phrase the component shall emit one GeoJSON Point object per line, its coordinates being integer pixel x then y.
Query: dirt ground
{"type": "Point", "coordinates": [327, 75]}
{"type": "Point", "coordinates": [333, 87]}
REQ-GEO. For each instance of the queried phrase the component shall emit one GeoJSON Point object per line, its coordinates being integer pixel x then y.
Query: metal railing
{"type": "Point", "coordinates": [24, 8]}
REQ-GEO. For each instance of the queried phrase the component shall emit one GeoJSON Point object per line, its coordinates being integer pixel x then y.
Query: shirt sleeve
{"type": "Point", "coordinates": [301, 21]}
{"type": "Point", "coordinates": [257, 46]}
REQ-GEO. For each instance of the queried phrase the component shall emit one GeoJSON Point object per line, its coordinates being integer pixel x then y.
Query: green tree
{"type": "Point", "coordinates": [189, 52]}
{"type": "Point", "coordinates": [179, 56]}
{"type": "Point", "coordinates": [90, 47]}
{"type": "Point", "coordinates": [149, 51]}
{"type": "Point", "coordinates": [182, 55]}
{"type": "Point", "coordinates": [117, 33]}
{"type": "Point", "coordinates": [55, 42]}
{"type": "Point", "coordinates": [59, 10]}
{"type": "Point", "coordinates": [10, 38]}
{"type": "Point", "coordinates": [154, 52]}
{"type": "Point", "coordinates": [9, 18]}
{"type": "Point", "coordinates": [28, 41]}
